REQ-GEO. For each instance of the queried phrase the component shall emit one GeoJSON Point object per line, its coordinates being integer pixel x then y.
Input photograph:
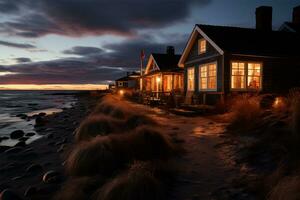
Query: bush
{"type": "Point", "coordinates": [97, 125]}
{"type": "Point", "coordinates": [105, 154]}
{"type": "Point", "coordinates": [286, 189]}
{"type": "Point", "coordinates": [138, 183]}
{"type": "Point", "coordinates": [245, 111]}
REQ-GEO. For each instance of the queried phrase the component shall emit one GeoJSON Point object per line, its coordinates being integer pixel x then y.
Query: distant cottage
{"type": "Point", "coordinates": [128, 83]}
{"type": "Point", "coordinates": [162, 75]}
{"type": "Point", "coordinates": [219, 61]}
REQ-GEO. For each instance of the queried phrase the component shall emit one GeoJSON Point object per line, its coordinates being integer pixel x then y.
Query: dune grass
{"type": "Point", "coordinates": [286, 189]}
{"type": "Point", "coordinates": [105, 154]}
{"type": "Point", "coordinates": [245, 112]}
{"type": "Point", "coordinates": [95, 125]}
{"type": "Point", "coordinates": [138, 183]}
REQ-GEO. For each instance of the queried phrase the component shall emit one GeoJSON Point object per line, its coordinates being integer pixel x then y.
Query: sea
{"type": "Point", "coordinates": [30, 103]}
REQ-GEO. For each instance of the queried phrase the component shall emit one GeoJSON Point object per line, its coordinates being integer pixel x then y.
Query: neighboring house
{"type": "Point", "coordinates": [219, 61]}
{"type": "Point", "coordinates": [162, 75]}
{"type": "Point", "coordinates": [130, 82]}
{"type": "Point", "coordinates": [293, 26]}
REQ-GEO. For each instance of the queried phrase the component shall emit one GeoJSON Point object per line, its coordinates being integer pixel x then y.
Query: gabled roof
{"type": "Point", "coordinates": [126, 78]}
{"type": "Point", "coordinates": [164, 62]}
{"type": "Point", "coordinates": [246, 41]}
{"type": "Point", "coordinates": [291, 26]}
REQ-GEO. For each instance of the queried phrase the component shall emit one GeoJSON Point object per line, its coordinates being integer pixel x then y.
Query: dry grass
{"type": "Point", "coordinates": [112, 106]}
{"type": "Point", "coordinates": [287, 189]}
{"type": "Point", "coordinates": [105, 154]}
{"type": "Point", "coordinates": [95, 125]}
{"type": "Point", "coordinates": [245, 112]}
{"type": "Point", "coordinates": [79, 188]}
{"type": "Point", "coordinates": [138, 183]}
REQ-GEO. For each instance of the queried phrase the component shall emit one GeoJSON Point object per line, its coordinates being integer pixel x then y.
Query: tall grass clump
{"type": "Point", "coordinates": [138, 183]}
{"type": "Point", "coordinates": [114, 107]}
{"type": "Point", "coordinates": [105, 154]}
{"type": "Point", "coordinates": [95, 125]}
{"type": "Point", "coordinates": [245, 112]}
{"type": "Point", "coordinates": [286, 189]}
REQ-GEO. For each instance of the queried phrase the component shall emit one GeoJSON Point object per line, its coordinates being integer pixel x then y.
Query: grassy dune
{"type": "Point", "coordinates": [119, 154]}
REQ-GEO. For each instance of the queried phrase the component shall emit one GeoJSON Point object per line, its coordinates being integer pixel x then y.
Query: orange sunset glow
{"type": "Point", "coordinates": [53, 87]}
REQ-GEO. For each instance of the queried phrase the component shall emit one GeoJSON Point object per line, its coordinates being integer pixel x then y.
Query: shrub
{"type": "Point", "coordinates": [79, 188]}
{"type": "Point", "coordinates": [287, 188]}
{"type": "Point", "coordinates": [245, 111]}
{"type": "Point", "coordinates": [137, 183]}
{"type": "Point", "coordinates": [97, 125]}
{"type": "Point", "coordinates": [105, 154]}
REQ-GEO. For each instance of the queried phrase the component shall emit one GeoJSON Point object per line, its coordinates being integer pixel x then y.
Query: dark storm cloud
{"type": "Point", "coordinates": [16, 45]}
{"type": "Point", "coordinates": [22, 60]}
{"type": "Point", "coordinates": [91, 67]}
{"type": "Point", "coordinates": [82, 51]}
{"type": "Point", "coordinates": [79, 17]}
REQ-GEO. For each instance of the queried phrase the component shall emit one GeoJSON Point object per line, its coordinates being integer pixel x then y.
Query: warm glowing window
{"type": "Point", "coordinates": [191, 79]}
{"type": "Point", "coordinates": [201, 46]}
{"type": "Point", "coordinates": [208, 77]}
{"type": "Point", "coordinates": [245, 75]}
{"type": "Point", "coordinates": [254, 75]}
{"type": "Point", "coordinates": [168, 82]}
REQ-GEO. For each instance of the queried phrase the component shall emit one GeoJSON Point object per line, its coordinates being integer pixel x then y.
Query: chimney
{"type": "Point", "coordinates": [264, 18]}
{"type": "Point", "coordinates": [296, 15]}
{"type": "Point", "coordinates": [170, 50]}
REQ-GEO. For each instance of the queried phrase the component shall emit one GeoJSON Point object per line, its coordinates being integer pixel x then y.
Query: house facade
{"type": "Point", "coordinates": [128, 83]}
{"type": "Point", "coordinates": [219, 61]}
{"type": "Point", "coordinates": [162, 75]}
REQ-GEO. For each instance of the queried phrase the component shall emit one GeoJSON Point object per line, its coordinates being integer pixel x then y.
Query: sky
{"type": "Point", "coordinates": [88, 43]}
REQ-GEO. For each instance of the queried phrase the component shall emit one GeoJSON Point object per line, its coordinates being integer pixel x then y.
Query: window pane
{"type": "Point", "coordinates": [191, 75]}
{"type": "Point", "coordinates": [201, 46]}
{"type": "Point", "coordinates": [254, 76]}
{"type": "Point", "coordinates": [237, 82]}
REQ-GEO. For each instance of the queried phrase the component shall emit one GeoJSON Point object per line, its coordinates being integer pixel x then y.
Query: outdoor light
{"type": "Point", "coordinates": [121, 92]}
{"type": "Point", "coordinates": [158, 79]}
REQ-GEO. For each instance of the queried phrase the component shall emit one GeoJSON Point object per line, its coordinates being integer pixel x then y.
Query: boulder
{"type": "Point", "coordinates": [30, 191]}
{"type": "Point", "coordinates": [51, 177]}
{"type": "Point", "coordinates": [17, 134]}
{"type": "Point", "coordinates": [4, 148]}
{"type": "Point", "coordinates": [39, 121]}
{"type": "Point", "coordinates": [9, 195]}
{"type": "Point", "coordinates": [29, 134]}
{"type": "Point", "coordinates": [20, 144]}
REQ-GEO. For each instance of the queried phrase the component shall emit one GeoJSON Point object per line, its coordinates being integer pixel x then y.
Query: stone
{"type": "Point", "coordinates": [20, 144]}
{"type": "Point", "coordinates": [22, 116]}
{"type": "Point", "coordinates": [34, 168]}
{"type": "Point", "coordinates": [42, 114]}
{"type": "Point", "coordinates": [29, 134]}
{"type": "Point", "coordinates": [30, 191]}
{"type": "Point", "coordinates": [51, 177]}
{"type": "Point", "coordinates": [39, 121]}
{"type": "Point", "coordinates": [4, 148]}
{"type": "Point", "coordinates": [9, 195]}
{"type": "Point", "coordinates": [14, 150]}
{"type": "Point", "coordinates": [17, 134]}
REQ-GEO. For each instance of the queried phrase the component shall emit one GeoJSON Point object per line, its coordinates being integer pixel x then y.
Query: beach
{"type": "Point", "coordinates": [22, 168]}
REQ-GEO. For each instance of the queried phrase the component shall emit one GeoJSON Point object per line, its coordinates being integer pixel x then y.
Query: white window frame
{"type": "Point", "coordinates": [246, 76]}
{"type": "Point", "coordinates": [188, 88]}
{"type": "Point", "coordinates": [199, 46]}
{"type": "Point", "coordinates": [207, 76]}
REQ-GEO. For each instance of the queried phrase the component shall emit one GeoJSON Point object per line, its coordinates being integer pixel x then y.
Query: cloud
{"type": "Point", "coordinates": [81, 17]}
{"type": "Point", "coordinates": [22, 60]}
{"type": "Point", "coordinates": [17, 45]}
{"type": "Point", "coordinates": [83, 51]}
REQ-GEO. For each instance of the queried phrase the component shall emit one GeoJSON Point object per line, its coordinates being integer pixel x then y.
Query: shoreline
{"type": "Point", "coordinates": [22, 168]}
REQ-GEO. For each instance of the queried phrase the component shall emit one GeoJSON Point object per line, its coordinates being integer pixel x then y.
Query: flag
{"type": "Point", "coordinates": [142, 54]}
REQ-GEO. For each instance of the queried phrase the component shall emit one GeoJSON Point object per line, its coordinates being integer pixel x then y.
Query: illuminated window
{"type": "Point", "coordinates": [168, 83]}
{"type": "Point", "coordinates": [254, 75]}
{"type": "Point", "coordinates": [191, 79]}
{"type": "Point", "coordinates": [208, 77]}
{"type": "Point", "coordinates": [201, 46]}
{"type": "Point", "coordinates": [243, 72]}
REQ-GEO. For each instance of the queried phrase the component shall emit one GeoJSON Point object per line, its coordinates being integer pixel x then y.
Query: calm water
{"type": "Point", "coordinates": [30, 103]}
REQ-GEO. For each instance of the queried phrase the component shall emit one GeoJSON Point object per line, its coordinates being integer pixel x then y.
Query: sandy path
{"type": "Point", "coordinates": [203, 168]}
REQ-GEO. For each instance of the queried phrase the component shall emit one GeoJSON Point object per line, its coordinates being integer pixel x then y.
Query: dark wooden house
{"type": "Point", "coordinates": [128, 83]}
{"type": "Point", "coordinates": [162, 75]}
{"type": "Point", "coordinates": [294, 25]}
{"type": "Point", "coordinates": [219, 61]}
